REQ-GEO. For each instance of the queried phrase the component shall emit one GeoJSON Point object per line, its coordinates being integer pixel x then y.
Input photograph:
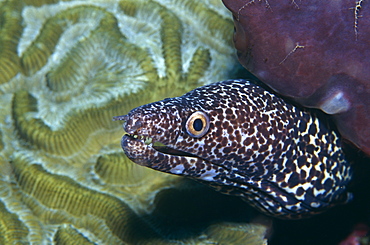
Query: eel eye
{"type": "Point", "coordinates": [197, 124]}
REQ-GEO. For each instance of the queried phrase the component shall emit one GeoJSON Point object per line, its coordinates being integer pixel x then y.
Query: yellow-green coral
{"type": "Point", "coordinates": [10, 32]}
{"type": "Point", "coordinates": [68, 201]}
{"type": "Point", "coordinates": [116, 169]}
{"type": "Point", "coordinates": [12, 230]}
{"type": "Point", "coordinates": [68, 67]}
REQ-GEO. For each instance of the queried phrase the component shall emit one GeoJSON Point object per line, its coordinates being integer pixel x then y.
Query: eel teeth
{"type": "Point", "coordinates": [147, 140]}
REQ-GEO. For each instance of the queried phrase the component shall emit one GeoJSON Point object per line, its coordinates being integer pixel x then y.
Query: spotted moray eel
{"type": "Point", "coordinates": [245, 141]}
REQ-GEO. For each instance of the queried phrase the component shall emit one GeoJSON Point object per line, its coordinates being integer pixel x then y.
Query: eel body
{"type": "Point", "coordinates": [243, 140]}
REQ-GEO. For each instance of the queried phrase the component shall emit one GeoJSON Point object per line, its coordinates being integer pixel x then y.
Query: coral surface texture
{"type": "Point", "coordinates": [68, 67]}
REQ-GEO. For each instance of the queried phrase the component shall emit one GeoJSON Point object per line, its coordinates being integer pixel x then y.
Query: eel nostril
{"type": "Point", "coordinates": [130, 125]}
{"type": "Point", "coordinates": [121, 118]}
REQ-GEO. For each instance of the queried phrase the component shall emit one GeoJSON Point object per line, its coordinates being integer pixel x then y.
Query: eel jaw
{"type": "Point", "coordinates": [144, 151]}
{"type": "Point", "coordinates": [136, 149]}
{"type": "Point", "coordinates": [166, 159]}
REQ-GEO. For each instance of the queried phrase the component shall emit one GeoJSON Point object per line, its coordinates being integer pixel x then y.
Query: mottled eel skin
{"type": "Point", "coordinates": [243, 140]}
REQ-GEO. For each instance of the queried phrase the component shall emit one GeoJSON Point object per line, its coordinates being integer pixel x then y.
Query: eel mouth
{"type": "Point", "coordinates": [145, 141]}
{"type": "Point", "coordinates": [158, 146]}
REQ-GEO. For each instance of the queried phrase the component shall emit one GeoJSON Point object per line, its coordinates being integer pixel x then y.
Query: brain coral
{"type": "Point", "coordinates": [67, 67]}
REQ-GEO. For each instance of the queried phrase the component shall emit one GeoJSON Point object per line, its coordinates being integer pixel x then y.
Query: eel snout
{"type": "Point", "coordinates": [132, 125]}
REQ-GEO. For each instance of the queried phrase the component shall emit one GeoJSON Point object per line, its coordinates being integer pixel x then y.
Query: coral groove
{"type": "Point", "coordinates": [68, 235]}
{"type": "Point", "coordinates": [10, 32]}
{"type": "Point", "coordinates": [12, 230]}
